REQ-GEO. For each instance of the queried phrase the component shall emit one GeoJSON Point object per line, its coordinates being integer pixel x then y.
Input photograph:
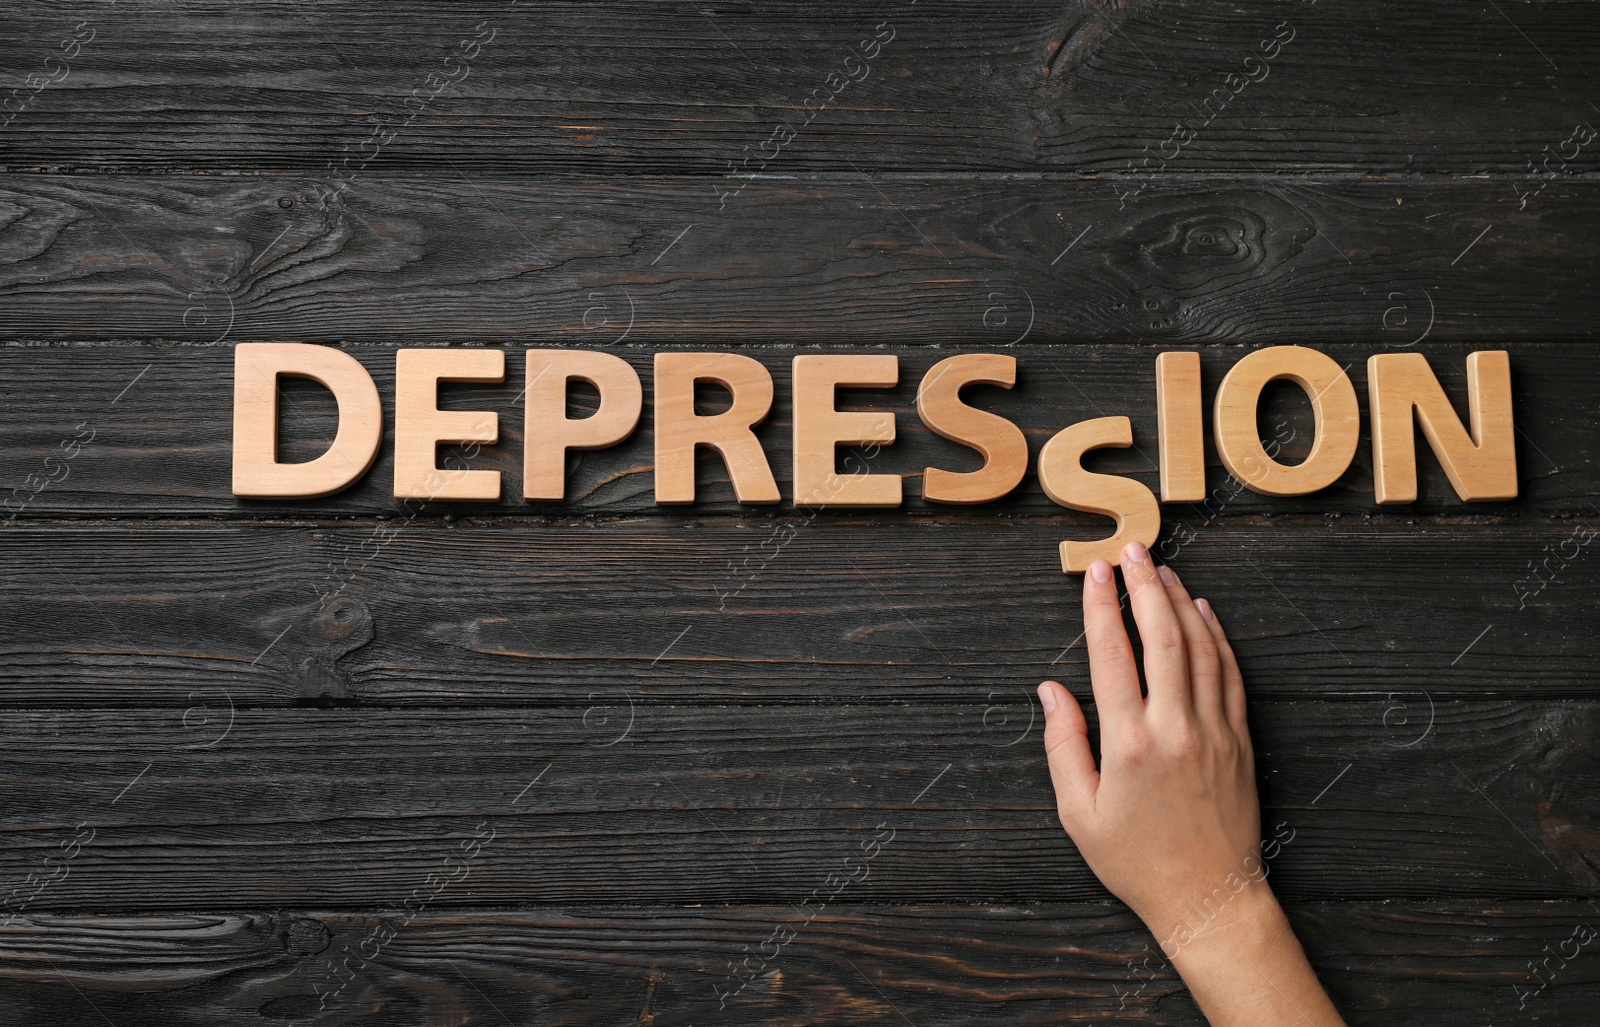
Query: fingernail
{"type": "Point", "coordinates": [1047, 698]}
{"type": "Point", "coordinates": [1167, 577]}
{"type": "Point", "coordinates": [1100, 571]}
{"type": "Point", "coordinates": [1136, 552]}
{"type": "Point", "coordinates": [1205, 609]}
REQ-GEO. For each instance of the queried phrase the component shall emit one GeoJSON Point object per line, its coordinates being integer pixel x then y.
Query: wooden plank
{"type": "Point", "coordinates": [631, 715]}
{"type": "Point", "coordinates": [157, 422]}
{"type": "Point", "coordinates": [630, 88]}
{"type": "Point", "coordinates": [612, 802]}
{"type": "Point", "coordinates": [513, 614]}
{"type": "Point", "coordinates": [1039, 964]}
{"type": "Point", "coordinates": [587, 262]}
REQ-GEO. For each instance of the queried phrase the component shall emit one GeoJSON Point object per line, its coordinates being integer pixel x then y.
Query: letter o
{"type": "Point", "coordinates": [1333, 400]}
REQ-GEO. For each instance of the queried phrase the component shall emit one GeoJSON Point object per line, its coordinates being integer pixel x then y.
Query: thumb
{"type": "Point", "coordinates": [1066, 746]}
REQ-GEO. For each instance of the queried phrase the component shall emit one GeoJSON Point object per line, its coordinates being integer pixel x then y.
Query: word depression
{"type": "Point", "coordinates": [1403, 394]}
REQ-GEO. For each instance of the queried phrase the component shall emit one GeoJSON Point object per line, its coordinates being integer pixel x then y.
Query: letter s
{"type": "Point", "coordinates": [1128, 502]}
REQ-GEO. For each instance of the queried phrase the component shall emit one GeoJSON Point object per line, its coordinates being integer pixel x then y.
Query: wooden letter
{"type": "Point", "coordinates": [679, 429]}
{"type": "Point", "coordinates": [1133, 506]}
{"type": "Point", "coordinates": [819, 428]}
{"type": "Point", "coordinates": [1482, 466]}
{"type": "Point", "coordinates": [1178, 427]}
{"type": "Point", "coordinates": [1004, 448]}
{"type": "Point", "coordinates": [1333, 400]}
{"type": "Point", "coordinates": [550, 433]}
{"type": "Point", "coordinates": [256, 471]}
{"type": "Point", "coordinates": [419, 424]}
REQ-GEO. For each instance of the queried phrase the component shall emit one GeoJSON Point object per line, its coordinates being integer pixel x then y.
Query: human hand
{"type": "Point", "coordinates": [1170, 822]}
{"type": "Point", "coordinates": [1171, 817]}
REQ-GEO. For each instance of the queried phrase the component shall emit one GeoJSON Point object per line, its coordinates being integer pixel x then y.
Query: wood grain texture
{"type": "Point", "coordinates": [1430, 964]}
{"type": "Point", "coordinates": [1398, 796]}
{"type": "Point", "coordinates": [660, 731]}
{"type": "Point", "coordinates": [161, 443]}
{"type": "Point", "coordinates": [908, 259]}
{"type": "Point", "coordinates": [518, 615]}
{"type": "Point", "coordinates": [634, 87]}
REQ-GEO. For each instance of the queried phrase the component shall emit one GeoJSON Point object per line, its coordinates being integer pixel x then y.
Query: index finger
{"type": "Point", "coordinates": [1112, 671]}
{"type": "Point", "coordinates": [1166, 653]}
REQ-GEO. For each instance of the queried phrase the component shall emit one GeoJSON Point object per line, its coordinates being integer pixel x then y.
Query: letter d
{"type": "Point", "coordinates": [256, 470]}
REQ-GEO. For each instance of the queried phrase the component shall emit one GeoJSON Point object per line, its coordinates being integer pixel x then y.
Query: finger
{"type": "Point", "coordinates": [1066, 747]}
{"type": "Point", "coordinates": [1112, 671]}
{"type": "Point", "coordinates": [1166, 658]}
{"type": "Point", "coordinates": [1205, 661]}
{"type": "Point", "coordinates": [1232, 680]}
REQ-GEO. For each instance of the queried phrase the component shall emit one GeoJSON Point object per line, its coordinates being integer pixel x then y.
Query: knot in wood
{"type": "Point", "coordinates": [306, 937]}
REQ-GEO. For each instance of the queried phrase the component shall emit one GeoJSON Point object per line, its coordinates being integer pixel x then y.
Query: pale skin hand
{"type": "Point", "coordinates": [1169, 822]}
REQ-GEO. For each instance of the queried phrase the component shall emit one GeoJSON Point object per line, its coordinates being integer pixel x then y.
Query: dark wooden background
{"type": "Point", "coordinates": [220, 791]}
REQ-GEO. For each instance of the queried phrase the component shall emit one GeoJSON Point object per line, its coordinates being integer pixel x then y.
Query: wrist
{"type": "Point", "coordinates": [1217, 921]}
{"type": "Point", "coordinates": [1246, 961]}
